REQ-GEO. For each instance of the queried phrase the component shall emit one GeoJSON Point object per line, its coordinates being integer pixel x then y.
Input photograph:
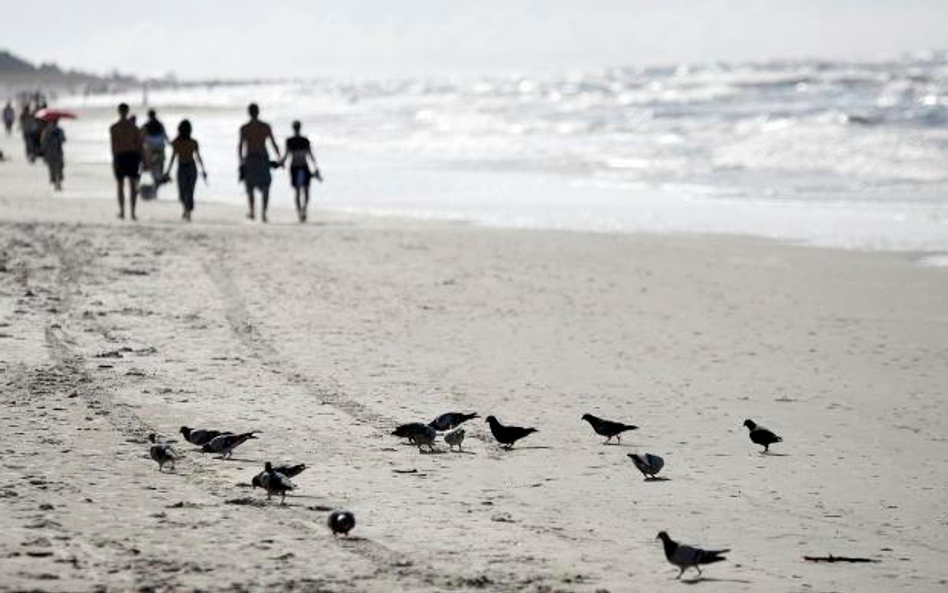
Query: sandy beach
{"type": "Point", "coordinates": [325, 336]}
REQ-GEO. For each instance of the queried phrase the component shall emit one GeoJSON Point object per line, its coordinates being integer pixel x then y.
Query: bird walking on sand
{"type": "Point", "coordinates": [410, 431]}
{"type": "Point", "coordinates": [451, 420]}
{"type": "Point", "coordinates": [685, 557]}
{"type": "Point", "coordinates": [273, 482]}
{"type": "Point", "coordinates": [608, 428]}
{"type": "Point", "coordinates": [761, 436]}
{"type": "Point", "coordinates": [287, 470]}
{"type": "Point", "coordinates": [648, 464]}
{"type": "Point", "coordinates": [200, 436]}
{"type": "Point", "coordinates": [161, 452]}
{"type": "Point", "coordinates": [454, 438]}
{"type": "Point", "coordinates": [425, 437]}
{"type": "Point", "coordinates": [507, 435]}
{"type": "Point", "coordinates": [226, 443]}
{"type": "Point", "coordinates": [341, 522]}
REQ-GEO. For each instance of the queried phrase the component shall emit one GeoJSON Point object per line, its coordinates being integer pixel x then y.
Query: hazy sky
{"type": "Point", "coordinates": [242, 38]}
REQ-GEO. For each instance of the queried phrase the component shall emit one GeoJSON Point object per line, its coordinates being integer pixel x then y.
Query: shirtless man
{"type": "Point", "coordinates": [255, 160]}
{"type": "Point", "coordinates": [126, 158]}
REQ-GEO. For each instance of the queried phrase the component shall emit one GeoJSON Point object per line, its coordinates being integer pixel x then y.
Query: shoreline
{"type": "Point", "coordinates": [364, 185]}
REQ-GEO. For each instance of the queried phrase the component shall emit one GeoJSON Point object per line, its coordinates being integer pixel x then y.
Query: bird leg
{"type": "Point", "coordinates": [698, 568]}
{"type": "Point", "coordinates": [681, 571]}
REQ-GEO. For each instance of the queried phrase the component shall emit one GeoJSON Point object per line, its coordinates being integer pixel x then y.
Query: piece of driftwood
{"type": "Point", "coordinates": [832, 558]}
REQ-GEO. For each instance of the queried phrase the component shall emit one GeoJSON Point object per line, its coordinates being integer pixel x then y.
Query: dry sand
{"type": "Point", "coordinates": [325, 336]}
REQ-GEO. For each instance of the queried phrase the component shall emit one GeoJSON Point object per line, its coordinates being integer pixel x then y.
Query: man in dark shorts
{"type": "Point", "coordinates": [300, 153]}
{"type": "Point", "coordinates": [126, 158]}
{"type": "Point", "coordinates": [255, 160]}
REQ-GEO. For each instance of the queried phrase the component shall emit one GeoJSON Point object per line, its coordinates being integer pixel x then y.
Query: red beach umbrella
{"type": "Point", "coordinates": [51, 114]}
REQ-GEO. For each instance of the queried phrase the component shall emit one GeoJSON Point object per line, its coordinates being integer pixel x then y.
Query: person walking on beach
{"type": "Point", "coordinates": [154, 139]}
{"type": "Point", "coordinates": [9, 116]}
{"type": "Point", "coordinates": [28, 126]}
{"type": "Point", "coordinates": [255, 160]}
{"type": "Point", "coordinates": [126, 158]}
{"type": "Point", "coordinates": [184, 148]}
{"type": "Point", "coordinates": [51, 143]}
{"type": "Point", "coordinates": [300, 152]}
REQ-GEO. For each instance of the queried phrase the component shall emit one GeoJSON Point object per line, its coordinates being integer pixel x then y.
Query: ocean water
{"type": "Point", "coordinates": [829, 153]}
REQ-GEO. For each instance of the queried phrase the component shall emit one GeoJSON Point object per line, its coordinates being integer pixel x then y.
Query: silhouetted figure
{"type": "Point", "coordinates": [9, 116]}
{"type": "Point", "coordinates": [28, 125]}
{"type": "Point", "coordinates": [51, 143]}
{"type": "Point", "coordinates": [255, 160]}
{"type": "Point", "coordinates": [184, 148]}
{"type": "Point", "coordinates": [300, 152]}
{"type": "Point", "coordinates": [154, 139]}
{"type": "Point", "coordinates": [126, 158]}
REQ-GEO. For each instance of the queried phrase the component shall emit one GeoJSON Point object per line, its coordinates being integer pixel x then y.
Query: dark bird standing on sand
{"type": "Point", "coordinates": [341, 522]}
{"type": "Point", "coordinates": [608, 428]}
{"type": "Point", "coordinates": [686, 556]}
{"type": "Point", "coordinates": [507, 435]}
{"type": "Point", "coordinates": [761, 436]}
{"type": "Point", "coordinates": [425, 436]}
{"type": "Point", "coordinates": [287, 470]}
{"type": "Point", "coordinates": [451, 420]}
{"type": "Point", "coordinates": [226, 443]}
{"type": "Point", "coordinates": [161, 452]}
{"type": "Point", "coordinates": [200, 436]}
{"type": "Point", "coordinates": [648, 464]}
{"type": "Point", "coordinates": [410, 431]}
{"type": "Point", "coordinates": [273, 482]}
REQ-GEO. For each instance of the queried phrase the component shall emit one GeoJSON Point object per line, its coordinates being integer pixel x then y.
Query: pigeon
{"type": "Point", "coordinates": [451, 420]}
{"type": "Point", "coordinates": [287, 470]}
{"type": "Point", "coordinates": [507, 435]}
{"type": "Point", "coordinates": [425, 436]}
{"type": "Point", "coordinates": [761, 436]}
{"type": "Point", "coordinates": [648, 464]}
{"type": "Point", "coordinates": [410, 431]}
{"type": "Point", "coordinates": [226, 443]}
{"type": "Point", "coordinates": [199, 436]}
{"type": "Point", "coordinates": [686, 556]}
{"type": "Point", "coordinates": [608, 428]}
{"type": "Point", "coordinates": [454, 438]}
{"type": "Point", "coordinates": [341, 522]}
{"type": "Point", "coordinates": [161, 452]}
{"type": "Point", "coordinates": [273, 482]}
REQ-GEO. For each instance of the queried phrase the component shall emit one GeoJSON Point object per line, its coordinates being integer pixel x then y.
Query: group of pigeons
{"type": "Point", "coordinates": [275, 480]}
{"type": "Point", "coordinates": [682, 556]}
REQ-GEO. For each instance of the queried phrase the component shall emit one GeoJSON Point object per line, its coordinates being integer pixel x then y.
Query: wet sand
{"type": "Point", "coordinates": [325, 336]}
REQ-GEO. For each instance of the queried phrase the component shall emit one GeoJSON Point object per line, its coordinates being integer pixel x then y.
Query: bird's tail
{"type": "Point", "coordinates": [714, 556]}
